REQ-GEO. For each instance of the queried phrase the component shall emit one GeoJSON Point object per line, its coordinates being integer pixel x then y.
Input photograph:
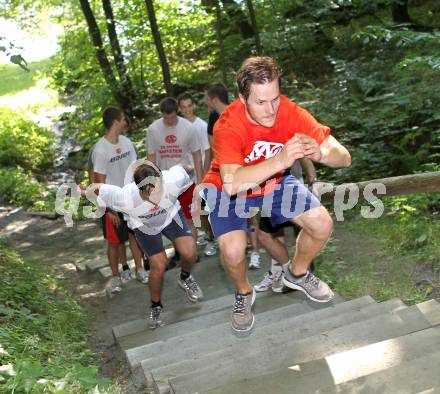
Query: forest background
{"type": "Point", "coordinates": [370, 69]}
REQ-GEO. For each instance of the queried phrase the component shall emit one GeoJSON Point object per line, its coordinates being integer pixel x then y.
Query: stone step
{"type": "Point", "coordinates": [345, 367]}
{"type": "Point", "coordinates": [194, 352]}
{"type": "Point", "coordinates": [96, 263]}
{"type": "Point", "coordinates": [267, 303]}
{"type": "Point", "coordinates": [105, 271]}
{"type": "Point", "coordinates": [181, 312]}
{"type": "Point", "coordinates": [415, 376]}
{"type": "Point", "coordinates": [182, 321]}
{"type": "Point", "coordinates": [269, 357]}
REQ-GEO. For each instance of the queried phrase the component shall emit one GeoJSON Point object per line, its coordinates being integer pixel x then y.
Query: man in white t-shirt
{"type": "Point", "coordinates": [187, 108]}
{"type": "Point", "coordinates": [170, 140]}
{"type": "Point", "coordinates": [110, 159]}
{"type": "Point", "coordinates": [150, 204]}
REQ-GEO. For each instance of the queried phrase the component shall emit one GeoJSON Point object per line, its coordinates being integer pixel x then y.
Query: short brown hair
{"type": "Point", "coordinates": [258, 69]}
{"type": "Point", "coordinates": [168, 105]}
{"type": "Point", "coordinates": [218, 90]}
{"type": "Point", "coordinates": [146, 176]}
{"type": "Point", "coordinates": [111, 114]}
{"type": "Point", "coordinates": [184, 96]}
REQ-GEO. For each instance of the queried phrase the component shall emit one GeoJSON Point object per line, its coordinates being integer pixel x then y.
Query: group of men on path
{"type": "Point", "coordinates": [255, 142]}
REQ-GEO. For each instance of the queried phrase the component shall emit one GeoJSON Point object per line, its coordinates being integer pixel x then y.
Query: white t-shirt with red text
{"type": "Point", "coordinates": [144, 215]}
{"type": "Point", "coordinates": [171, 145]}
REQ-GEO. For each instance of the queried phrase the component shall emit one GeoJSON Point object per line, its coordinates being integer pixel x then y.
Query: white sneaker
{"type": "Point", "coordinates": [201, 240]}
{"type": "Point", "coordinates": [126, 276]}
{"type": "Point", "coordinates": [255, 261]}
{"type": "Point", "coordinates": [265, 284]}
{"type": "Point", "coordinates": [271, 281]}
{"type": "Point", "coordinates": [211, 248]}
{"type": "Point", "coordinates": [277, 282]}
{"type": "Point", "coordinates": [191, 288]}
{"type": "Point", "coordinates": [115, 285]}
{"type": "Point", "coordinates": [143, 275]}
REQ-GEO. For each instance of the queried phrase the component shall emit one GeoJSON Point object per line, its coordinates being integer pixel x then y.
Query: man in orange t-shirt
{"type": "Point", "coordinates": [256, 140]}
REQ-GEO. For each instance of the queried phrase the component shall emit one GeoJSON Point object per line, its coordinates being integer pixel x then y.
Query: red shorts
{"type": "Point", "coordinates": [113, 234]}
{"type": "Point", "coordinates": [185, 200]}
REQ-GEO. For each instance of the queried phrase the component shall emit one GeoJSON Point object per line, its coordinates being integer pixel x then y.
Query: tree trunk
{"type": "Point", "coordinates": [399, 11]}
{"type": "Point", "coordinates": [159, 47]}
{"type": "Point", "coordinates": [238, 17]}
{"type": "Point", "coordinates": [95, 36]}
{"type": "Point", "coordinates": [250, 6]}
{"type": "Point", "coordinates": [218, 30]}
{"type": "Point", "coordinates": [124, 78]}
{"type": "Point", "coordinates": [400, 14]}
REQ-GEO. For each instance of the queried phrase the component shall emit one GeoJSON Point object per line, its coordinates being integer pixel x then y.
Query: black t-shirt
{"type": "Point", "coordinates": [213, 117]}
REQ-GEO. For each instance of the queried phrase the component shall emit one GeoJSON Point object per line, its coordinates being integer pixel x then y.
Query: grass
{"type": "Point", "coordinates": [14, 79]}
{"type": "Point", "coordinates": [43, 333]}
{"type": "Point", "coordinates": [381, 257]}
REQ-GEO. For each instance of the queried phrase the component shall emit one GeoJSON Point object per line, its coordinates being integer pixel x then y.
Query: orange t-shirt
{"type": "Point", "coordinates": [239, 141]}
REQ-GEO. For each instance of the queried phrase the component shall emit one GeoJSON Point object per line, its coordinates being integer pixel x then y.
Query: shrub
{"type": "Point", "coordinates": [43, 332]}
{"type": "Point", "coordinates": [23, 143]}
{"type": "Point", "coordinates": [18, 187]}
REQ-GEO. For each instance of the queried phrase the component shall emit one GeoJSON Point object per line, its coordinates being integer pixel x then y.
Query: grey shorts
{"type": "Point", "coordinates": [152, 244]}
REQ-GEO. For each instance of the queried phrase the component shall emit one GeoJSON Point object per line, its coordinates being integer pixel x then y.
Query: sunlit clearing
{"type": "Point", "coordinates": [39, 96]}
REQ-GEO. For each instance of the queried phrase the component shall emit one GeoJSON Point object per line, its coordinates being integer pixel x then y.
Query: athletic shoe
{"type": "Point", "coordinates": [265, 284]}
{"type": "Point", "coordinates": [309, 284]}
{"type": "Point", "coordinates": [142, 275]}
{"type": "Point", "coordinates": [277, 282]}
{"type": "Point", "coordinates": [155, 320]}
{"type": "Point", "coordinates": [115, 285]}
{"type": "Point", "coordinates": [271, 281]}
{"type": "Point", "coordinates": [242, 319]}
{"type": "Point", "coordinates": [201, 240]}
{"type": "Point", "coordinates": [255, 261]}
{"type": "Point", "coordinates": [192, 289]}
{"type": "Point", "coordinates": [211, 248]}
{"type": "Point", "coordinates": [126, 276]}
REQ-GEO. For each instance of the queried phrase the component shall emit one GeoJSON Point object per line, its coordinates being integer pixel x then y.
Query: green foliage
{"type": "Point", "coordinates": [382, 104]}
{"type": "Point", "coordinates": [43, 332]}
{"type": "Point", "coordinates": [23, 143]}
{"type": "Point", "coordinates": [18, 187]}
{"type": "Point", "coordinates": [372, 272]}
{"type": "Point", "coordinates": [410, 226]}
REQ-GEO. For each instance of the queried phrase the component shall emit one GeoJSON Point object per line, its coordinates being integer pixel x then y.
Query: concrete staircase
{"type": "Point", "coordinates": [356, 346]}
{"type": "Point", "coordinates": [297, 346]}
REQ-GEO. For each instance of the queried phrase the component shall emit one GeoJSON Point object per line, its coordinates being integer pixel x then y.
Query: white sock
{"type": "Point", "coordinates": [275, 267]}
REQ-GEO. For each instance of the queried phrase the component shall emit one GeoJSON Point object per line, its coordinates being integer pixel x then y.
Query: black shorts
{"type": "Point", "coordinates": [266, 226]}
{"type": "Point", "coordinates": [152, 244]}
{"type": "Point", "coordinates": [114, 234]}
